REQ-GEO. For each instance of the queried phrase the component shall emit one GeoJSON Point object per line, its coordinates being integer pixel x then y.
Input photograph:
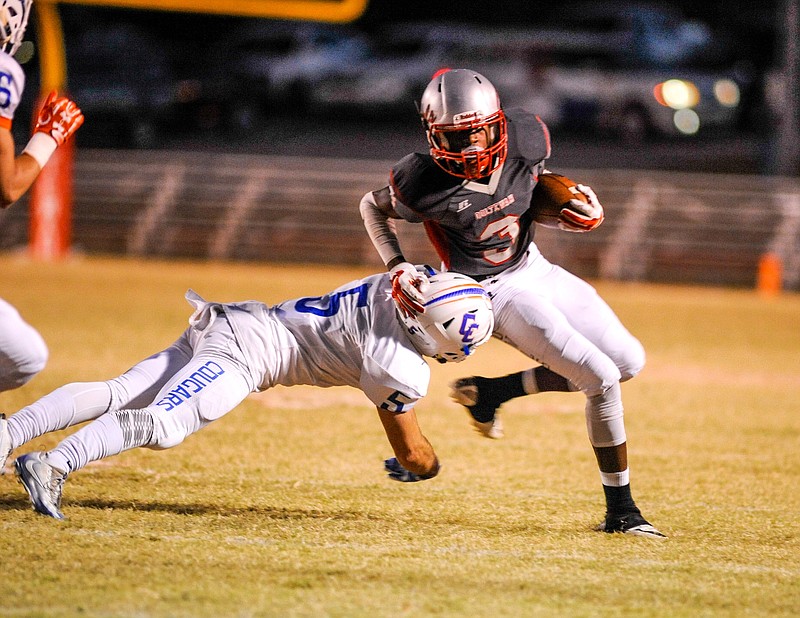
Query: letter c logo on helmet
{"type": "Point", "coordinates": [458, 318]}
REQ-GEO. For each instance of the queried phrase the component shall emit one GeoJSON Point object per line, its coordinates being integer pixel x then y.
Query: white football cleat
{"type": "Point", "coordinates": [43, 483]}
{"type": "Point", "coordinates": [630, 523]}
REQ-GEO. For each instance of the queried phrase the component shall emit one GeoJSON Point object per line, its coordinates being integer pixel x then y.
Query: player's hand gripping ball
{"type": "Point", "coordinates": [558, 202]}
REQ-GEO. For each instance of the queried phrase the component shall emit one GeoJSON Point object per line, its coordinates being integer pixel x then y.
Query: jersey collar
{"type": "Point", "coordinates": [487, 188]}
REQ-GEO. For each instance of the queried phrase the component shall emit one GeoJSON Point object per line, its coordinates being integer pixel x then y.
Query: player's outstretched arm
{"type": "Point", "coordinates": [408, 285]}
{"type": "Point", "coordinates": [57, 120]}
{"type": "Point", "coordinates": [16, 173]}
{"type": "Point", "coordinates": [415, 457]}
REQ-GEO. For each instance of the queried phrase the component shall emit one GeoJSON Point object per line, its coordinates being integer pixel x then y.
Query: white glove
{"type": "Point", "coordinates": [408, 287]}
{"type": "Point", "coordinates": [580, 216]}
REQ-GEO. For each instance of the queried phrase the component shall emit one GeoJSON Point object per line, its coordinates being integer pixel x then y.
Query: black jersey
{"type": "Point", "coordinates": [479, 228]}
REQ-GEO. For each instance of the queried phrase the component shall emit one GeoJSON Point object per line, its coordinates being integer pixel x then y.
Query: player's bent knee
{"type": "Point", "coordinates": [633, 363]}
{"type": "Point", "coordinates": [19, 372]}
{"type": "Point", "coordinates": [167, 433]}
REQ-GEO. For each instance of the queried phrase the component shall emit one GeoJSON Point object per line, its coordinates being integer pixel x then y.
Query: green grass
{"type": "Point", "coordinates": [281, 508]}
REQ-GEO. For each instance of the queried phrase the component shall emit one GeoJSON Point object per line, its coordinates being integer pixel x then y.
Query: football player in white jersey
{"type": "Point", "coordinates": [23, 352]}
{"type": "Point", "coordinates": [474, 194]}
{"type": "Point", "coordinates": [355, 336]}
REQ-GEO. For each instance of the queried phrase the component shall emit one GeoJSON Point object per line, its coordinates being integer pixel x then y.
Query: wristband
{"type": "Point", "coordinates": [41, 147]}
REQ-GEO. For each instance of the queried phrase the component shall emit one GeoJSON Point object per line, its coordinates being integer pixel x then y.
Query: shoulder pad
{"type": "Point", "coordinates": [528, 136]}
{"type": "Point", "coordinates": [417, 181]}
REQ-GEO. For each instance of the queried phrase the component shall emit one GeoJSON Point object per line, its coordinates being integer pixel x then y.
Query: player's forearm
{"type": "Point", "coordinates": [381, 230]}
{"type": "Point", "coordinates": [410, 446]}
{"type": "Point", "coordinates": [421, 461]}
{"type": "Point", "coordinates": [16, 173]}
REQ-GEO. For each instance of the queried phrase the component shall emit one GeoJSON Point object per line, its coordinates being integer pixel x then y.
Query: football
{"type": "Point", "coordinates": [550, 195]}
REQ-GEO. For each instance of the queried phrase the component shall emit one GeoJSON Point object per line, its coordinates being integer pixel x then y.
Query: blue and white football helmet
{"type": "Point", "coordinates": [458, 318]}
{"type": "Point", "coordinates": [14, 16]}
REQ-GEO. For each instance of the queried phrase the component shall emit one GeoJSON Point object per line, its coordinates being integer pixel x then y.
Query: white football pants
{"type": "Point", "coordinates": [560, 321]}
{"type": "Point", "coordinates": [23, 352]}
{"type": "Point", "coordinates": [196, 380]}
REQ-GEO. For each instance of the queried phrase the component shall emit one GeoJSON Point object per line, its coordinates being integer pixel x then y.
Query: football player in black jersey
{"type": "Point", "coordinates": [473, 193]}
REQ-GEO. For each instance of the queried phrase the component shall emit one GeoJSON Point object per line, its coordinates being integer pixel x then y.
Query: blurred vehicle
{"type": "Point", "coordinates": [403, 58]}
{"type": "Point", "coordinates": [573, 79]}
{"type": "Point", "coordinates": [655, 73]}
{"type": "Point", "coordinates": [634, 103]}
{"type": "Point", "coordinates": [632, 71]}
{"type": "Point", "coordinates": [645, 33]}
{"type": "Point", "coordinates": [390, 76]}
{"type": "Point", "coordinates": [267, 64]}
{"type": "Point", "coordinates": [122, 80]}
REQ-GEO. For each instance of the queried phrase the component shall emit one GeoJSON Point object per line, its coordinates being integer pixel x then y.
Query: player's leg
{"type": "Point", "coordinates": [532, 320]}
{"type": "Point", "coordinates": [591, 316]}
{"type": "Point", "coordinates": [214, 382]}
{"type": "Point", "coordinates": [79, 402]}
{"type": "Point", "coordinates": [527, 319]}
{"type": "Point", "coordinates": [23, 352]}
{"type": "Point", "coordinates": [585, 311]}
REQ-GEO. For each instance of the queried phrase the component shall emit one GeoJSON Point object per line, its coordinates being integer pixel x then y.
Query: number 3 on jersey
{"type": "Point", "coordinates": [506, 228]}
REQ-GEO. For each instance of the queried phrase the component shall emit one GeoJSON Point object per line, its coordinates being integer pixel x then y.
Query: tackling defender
{"type": "Point", "coordinates": [476, 193]}
{"type": "Point", "coordinates": [23, 352]}
{"type": "Point", "coordinates": [354, 336]}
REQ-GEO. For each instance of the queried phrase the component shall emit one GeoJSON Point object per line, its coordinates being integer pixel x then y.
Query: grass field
{"type": "Point", "coordinates": [281, 508]}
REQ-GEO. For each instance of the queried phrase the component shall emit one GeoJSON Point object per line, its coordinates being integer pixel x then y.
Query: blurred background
{"type": "Point", "coordinates": [658, 85]}
{"type": "Point", "coordinates": [231, 138]}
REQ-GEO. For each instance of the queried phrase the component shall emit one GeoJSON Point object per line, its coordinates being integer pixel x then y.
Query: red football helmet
{"type": "Point", "coordinates": [465, 124]}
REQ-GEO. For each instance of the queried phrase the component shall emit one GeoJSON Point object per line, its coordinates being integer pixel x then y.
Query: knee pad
{"type": "Point", "coordinates": [21, 366]}
{"type": "Point", "coordinates": [167, 432]}
{"type": "Point", "coordinates": [604, 418]}
{"type": "Point", "coordinates": [633, 362]}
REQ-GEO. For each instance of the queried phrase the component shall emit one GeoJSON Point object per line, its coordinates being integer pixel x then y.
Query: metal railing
{"type": "Point", "coordinates": [660, 226]}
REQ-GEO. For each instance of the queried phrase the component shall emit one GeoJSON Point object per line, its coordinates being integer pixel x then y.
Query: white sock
{"type": "Point", "coordinates": [615, 479]}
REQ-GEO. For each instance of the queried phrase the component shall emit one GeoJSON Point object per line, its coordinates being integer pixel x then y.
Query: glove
{"type": "Point", "coordinates": [397, 472]}
{"type": "Point", "coordinates": [579, 215]}
{"type": "Point", "coordinates": [408, 287]}
{"type": "Point", "coordinates": [59, 118]}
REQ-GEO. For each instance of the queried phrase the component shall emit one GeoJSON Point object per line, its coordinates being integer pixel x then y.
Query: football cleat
{"type": "Point", "coordinates": [629, 523]}
{"type": "Point", "coordinates": [43, 483]}
{"type": "Point", "coordinates": [472, 393]}
{"type": "Point", "coordinates": [5, 443]}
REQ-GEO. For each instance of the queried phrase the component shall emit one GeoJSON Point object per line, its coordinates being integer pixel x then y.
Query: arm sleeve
{"type": "Point", "coordinates": [376, 211]}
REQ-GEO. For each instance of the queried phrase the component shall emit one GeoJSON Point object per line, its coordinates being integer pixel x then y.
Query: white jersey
{"type": "Point", "coordinates": [12, 84]}
{"type": "Point", "coordinates": [349, 337]}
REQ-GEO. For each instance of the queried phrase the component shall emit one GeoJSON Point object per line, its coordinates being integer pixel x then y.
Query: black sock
{"type": "Point", "coordinates": [505, 388]}
{"type": "Point", "coordinates": [619, 499]}
{"type": "Point", "coordinates": [548, 380]}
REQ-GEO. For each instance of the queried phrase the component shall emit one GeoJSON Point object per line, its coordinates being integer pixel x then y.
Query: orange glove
{"type": "Point", "coordinates": [59, 118]}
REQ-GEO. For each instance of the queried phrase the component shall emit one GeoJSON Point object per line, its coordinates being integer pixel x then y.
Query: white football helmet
{"type": "Point", "coordinates": [13, 21]}
{"type": "Point", "coordinates": [458, 317]}
{"type": "Point", "coordinates": [457, 107]}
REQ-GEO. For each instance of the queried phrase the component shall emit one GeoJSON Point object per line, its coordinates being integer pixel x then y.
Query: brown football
{"type": "Point", "coordinates": [549, 196]}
